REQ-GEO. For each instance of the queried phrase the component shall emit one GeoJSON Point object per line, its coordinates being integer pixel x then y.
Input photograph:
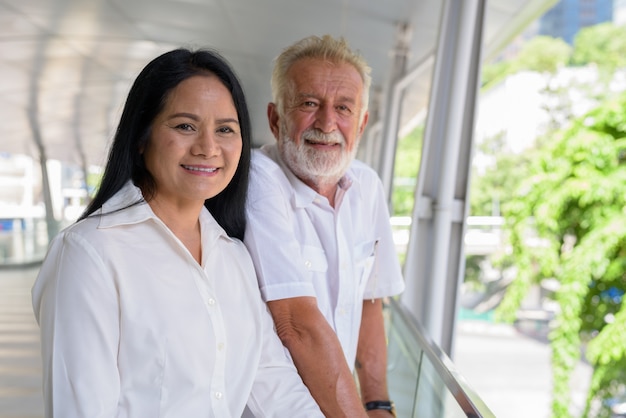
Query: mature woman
{"type": "Point", "coordinates": [148, 305]}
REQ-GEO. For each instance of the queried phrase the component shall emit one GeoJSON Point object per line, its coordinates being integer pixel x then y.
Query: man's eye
{"type": "Point", "coordinates": [310, 104]}
{"type": "Point", "coordinates": [344, 109]}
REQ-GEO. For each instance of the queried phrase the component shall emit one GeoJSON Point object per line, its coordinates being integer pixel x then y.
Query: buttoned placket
{"type": "Point", "coordinates": [344, 311]}
{"type": "Point", "coordinates": [218, 380]}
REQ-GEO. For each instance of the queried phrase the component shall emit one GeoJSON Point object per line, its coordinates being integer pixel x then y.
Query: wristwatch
{"type": "Point", "coordinates": [386, 405]}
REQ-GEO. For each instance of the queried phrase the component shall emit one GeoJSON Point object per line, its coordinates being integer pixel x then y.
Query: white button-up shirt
{"type": "Point", "coordinates": [132, 326]}
{"type": "Point", "coordinates": [302, 246]}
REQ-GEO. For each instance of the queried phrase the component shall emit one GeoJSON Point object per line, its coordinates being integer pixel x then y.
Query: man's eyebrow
{"type": "Point", "coordinates": [341, 99]}
{"type": "Point", "coordinates": [306, 96]}
{"type": "Point", "coordinates": [347, 99]}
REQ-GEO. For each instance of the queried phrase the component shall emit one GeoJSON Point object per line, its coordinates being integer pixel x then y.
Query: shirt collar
{"type": "Point", "coordinates": [128, 207]}
{"type": "Point", "coordinates": [303, 194]}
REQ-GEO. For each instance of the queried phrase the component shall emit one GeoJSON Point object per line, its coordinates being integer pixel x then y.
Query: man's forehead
{"type": "Point", "coordinates": [318, 70]}
{"type": "Point", "coordinates": [343, 83]}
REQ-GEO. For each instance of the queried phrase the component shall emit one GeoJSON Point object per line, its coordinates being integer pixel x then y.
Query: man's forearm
{"type": "Point", "coordinates": [322, 366]}
{"type": "Point", "coordinates": [319, 358]}
{"type": "Point", "coordinates": [371, 360]}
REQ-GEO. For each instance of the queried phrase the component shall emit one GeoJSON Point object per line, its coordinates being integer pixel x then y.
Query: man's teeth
{"type": "Point", "coordinates": [206, 170]}
{"type": "Point", "coordinates": [320, 142]}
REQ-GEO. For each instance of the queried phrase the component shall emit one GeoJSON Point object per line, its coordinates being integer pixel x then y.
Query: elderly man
{"type": "Point", "coordinates": [319, 231]}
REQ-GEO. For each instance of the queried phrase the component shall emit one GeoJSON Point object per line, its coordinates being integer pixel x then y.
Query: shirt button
{"type": "Point", "coordinates": [210, 301]}
{"type": "Point", "coordinates": [220, 346]}
{"type": "Point", "coordinates": [218, 395]}
{"type": "Point", "coordinates": [307, 263]}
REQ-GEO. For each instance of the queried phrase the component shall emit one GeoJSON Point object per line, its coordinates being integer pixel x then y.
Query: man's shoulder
{"type": "Point", "coordinates": [266, 173]}
{"type": "Point", "coordinates": [265, 158]}
{"type": "Point", "coordinates": [359, 165]}
{"type": "Point", "coordinates": [363, 172]}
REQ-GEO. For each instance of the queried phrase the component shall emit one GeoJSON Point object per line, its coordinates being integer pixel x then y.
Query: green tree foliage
{"type": "Point", "coordinates": [494, 73]}
{"type": "Point", "coordinates": [406, 167]}
{"type": "Point", "coordinates": [542, 54]}
{"type": "Point", "coordinates": [603, 45]}
{"type": "Point", "coordinates": [496, 181]}
{"type": "Point", "coordinates": [570, 204]}
{"type": "Point", "coordinates": [574, 201]}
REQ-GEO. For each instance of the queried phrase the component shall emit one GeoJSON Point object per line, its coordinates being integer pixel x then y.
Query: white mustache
{"type": "Point", "coordinates": [322, 138]}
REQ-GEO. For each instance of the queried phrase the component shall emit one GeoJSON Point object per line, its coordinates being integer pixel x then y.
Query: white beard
{"type": "Point", "coordinates": [311, 165]}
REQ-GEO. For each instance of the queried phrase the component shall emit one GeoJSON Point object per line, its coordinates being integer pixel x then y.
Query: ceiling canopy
{"type": "Point", "coordinates": [67, 65]}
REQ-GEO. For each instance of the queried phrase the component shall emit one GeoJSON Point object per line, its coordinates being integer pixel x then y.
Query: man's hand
{"type": "Point", "coordinates": [379, 413]}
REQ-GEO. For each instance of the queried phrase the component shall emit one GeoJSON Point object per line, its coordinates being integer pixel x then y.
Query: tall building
{"type": "Point", "coordinates": [567, 17]}
{"type": "Point", "coordinates": [619, 12]}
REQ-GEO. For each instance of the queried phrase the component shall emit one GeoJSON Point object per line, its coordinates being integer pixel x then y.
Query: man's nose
{"type": "Point", "coordinates": [326, 119]}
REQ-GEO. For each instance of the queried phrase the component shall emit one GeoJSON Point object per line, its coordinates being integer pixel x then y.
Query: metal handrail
{"type": "Point", "coordinates": [467, 399]}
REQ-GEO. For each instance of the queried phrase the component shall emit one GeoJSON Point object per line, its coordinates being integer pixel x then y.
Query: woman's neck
{"type": "Point", "coordinates": [184, 222]}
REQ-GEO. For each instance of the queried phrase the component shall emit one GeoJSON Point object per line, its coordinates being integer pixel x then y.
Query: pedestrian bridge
{"type": "Point", "coordinates": [67, 66]}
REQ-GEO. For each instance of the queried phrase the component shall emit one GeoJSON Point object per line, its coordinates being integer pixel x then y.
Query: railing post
{"type": "Point", "coordinates": [435, 260]}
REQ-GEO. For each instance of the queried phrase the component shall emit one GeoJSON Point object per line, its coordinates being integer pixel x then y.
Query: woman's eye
{"type": "Point", "coordinates": [225, 130]}
{"type": "Point", "coordinates": [184, 127]}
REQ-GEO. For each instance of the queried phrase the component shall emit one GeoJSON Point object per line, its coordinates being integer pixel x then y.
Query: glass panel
{"type": "Point", "coordinates": [421, 379]}
{"type": "Point", "coordinates": [403, 368]}
{"type": "Point", "coordinates": [434, 399]}
{"type": "Point", "coordinates": [22, 241]}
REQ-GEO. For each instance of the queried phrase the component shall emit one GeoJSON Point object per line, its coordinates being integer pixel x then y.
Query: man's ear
{"type": "Point", "coordinates": [273, 118]}
{"type": "Point", "coordinates": [366, 116]}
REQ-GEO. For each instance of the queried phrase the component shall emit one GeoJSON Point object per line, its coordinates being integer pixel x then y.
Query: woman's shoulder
{"type": "Point", "coordinates": [84, 228]}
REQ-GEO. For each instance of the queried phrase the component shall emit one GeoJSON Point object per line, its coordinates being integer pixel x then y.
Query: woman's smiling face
{"type": "Point", "coordinates": [195, 142]}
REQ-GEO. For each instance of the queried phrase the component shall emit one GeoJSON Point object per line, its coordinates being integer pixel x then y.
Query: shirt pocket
{"type": "Point", "coordinates": [314, 259]}
{"type": "Point", "coordinates": [365, 262]}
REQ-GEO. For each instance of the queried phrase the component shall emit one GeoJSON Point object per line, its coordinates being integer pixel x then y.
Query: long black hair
{"type": "Point", "coordinates": [146, 99]}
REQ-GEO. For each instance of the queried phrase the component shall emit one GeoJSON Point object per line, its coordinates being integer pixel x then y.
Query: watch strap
{"type": "Point", "coordinates": [385, 405]}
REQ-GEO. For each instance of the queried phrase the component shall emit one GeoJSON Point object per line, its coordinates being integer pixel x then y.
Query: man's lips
{"type": "Point", "coordinates": [321, 143]}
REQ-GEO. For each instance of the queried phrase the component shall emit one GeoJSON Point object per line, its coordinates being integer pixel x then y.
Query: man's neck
{"type": "Point", "coordinates": [324, 187]}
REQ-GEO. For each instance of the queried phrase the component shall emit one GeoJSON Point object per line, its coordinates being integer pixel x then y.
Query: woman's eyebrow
{"type": "Point", "coordinates": [184, 115]}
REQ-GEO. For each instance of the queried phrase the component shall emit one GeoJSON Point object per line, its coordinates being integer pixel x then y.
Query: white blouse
{"type": "Point", "coordinates": [132, 326]}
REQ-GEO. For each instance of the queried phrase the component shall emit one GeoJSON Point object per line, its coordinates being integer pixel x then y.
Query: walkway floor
{"type": "Point", "coordinates": [510, 370]}
{"type": "Point", "coordinates": [20, 360]}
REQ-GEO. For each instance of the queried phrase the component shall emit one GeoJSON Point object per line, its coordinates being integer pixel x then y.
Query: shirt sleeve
{"type": "Point", "coordinates": [272, 242]}
{"type": "Point", "coordinates": [76, 307]}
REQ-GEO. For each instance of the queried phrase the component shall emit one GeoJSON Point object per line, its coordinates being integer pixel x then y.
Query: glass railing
{"type": "Point", "coordinates": [23, 242]}
{"type": "Point", "coordinates": [423, 381]}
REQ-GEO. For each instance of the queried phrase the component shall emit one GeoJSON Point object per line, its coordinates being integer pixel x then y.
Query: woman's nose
{"type": "Point", "coordinates": [206, 145]}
